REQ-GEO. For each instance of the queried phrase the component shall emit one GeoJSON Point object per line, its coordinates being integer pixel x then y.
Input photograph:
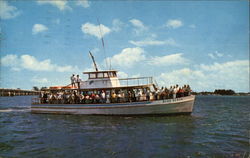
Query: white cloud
{"type": "Point", "coordinates": [35, 79]}
{"type": "Point", "coordinates": [95, 50]}
{"type": "Point", "coordinates": [122, 74]}
{"type": "Point", "coordinates": [219, 54]}
{"type": "Point", "coordinates": [29, 62]}
{"type": "Point", "coordinates": [151, 42]}
{"type": "Point", "coordinates": [7, 11]}
{"type": "Point", "coordinates": [174, 23]}
{"type": "Point", "coordinates": [181, 77]}
{"type": "Point", "coordinates": [9, 60]}
{"type": "Point", "coordinates": [139, 26]}
{"type": "Point", "coordinates": [167, 60]}
{"type": "Point", "coordinates": [95, 30]}
{"type": "Point", "coordinates": [215, 55]}
{"type": "Point", "coordinates": [229, 75]}
{"type": "Point", "coordinates": [60, 4]}
{"type": "Point", "coordinates": [137, 23]}
{"type": "Point", "coordinates": [128, 57]}
{"type": "Point", "coordinates": [136, 75]}
{"type": "Point", "coordinates": [83, 3]}
{"type": "Point", "coordinates": [38, 28]}
{"type": "Point", "coordinates": [227, 66]}
{"type": "Point", "coordinates": [117, 25]}
{"type": "Point", "coordinates": [211, 55]}
{"type": "Point", "coordinates": [192, 26]}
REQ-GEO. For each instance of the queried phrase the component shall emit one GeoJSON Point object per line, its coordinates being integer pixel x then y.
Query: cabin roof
{"type": "Point", "coordinates": [91, 72]}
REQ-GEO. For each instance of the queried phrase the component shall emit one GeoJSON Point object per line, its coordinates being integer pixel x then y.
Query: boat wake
{"type": "Point", "coordinates": [15, 110]}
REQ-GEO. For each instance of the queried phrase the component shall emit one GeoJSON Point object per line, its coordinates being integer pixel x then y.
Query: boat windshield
{"type": "Point", "coordinates": [102, 75]}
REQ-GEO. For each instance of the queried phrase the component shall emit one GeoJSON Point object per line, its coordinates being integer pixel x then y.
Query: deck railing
{"type": "Point", "coordinates": [114, 100]}
{"type": "Point", "coordinates": [123, 82]}
{"type": "Point", "coordinates": [136, 81]}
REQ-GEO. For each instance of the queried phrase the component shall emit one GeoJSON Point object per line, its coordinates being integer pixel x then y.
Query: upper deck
{"type": "Point", "coordinates": [103, 80]}
{"type": "Point", "coordinates": [108, 79]}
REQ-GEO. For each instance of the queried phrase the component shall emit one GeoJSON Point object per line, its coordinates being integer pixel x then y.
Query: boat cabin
{"type": "Point", "coordinates": [100, 79]}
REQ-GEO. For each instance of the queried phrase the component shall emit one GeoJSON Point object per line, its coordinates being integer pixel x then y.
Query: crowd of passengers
{"type": "Point", "coordinates": [114, 96]}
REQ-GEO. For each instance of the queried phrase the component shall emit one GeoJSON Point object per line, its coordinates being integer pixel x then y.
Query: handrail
{"type": "Point", "coordinates": [126, 81]}
{"type": "Point", "coordinates": [116, 83]}
{"type": "Point", "coordinates": [134, 78]}
{"type": "Point", "coordinates": [120, 100]}
{"type": "Point", "coordinates": [140, 80]}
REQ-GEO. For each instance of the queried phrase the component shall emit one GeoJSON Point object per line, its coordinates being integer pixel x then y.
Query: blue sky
{"type": "Point", "coordinates": [204, 44]}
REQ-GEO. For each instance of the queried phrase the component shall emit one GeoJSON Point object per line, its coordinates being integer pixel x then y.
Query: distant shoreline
{"type": "Point", "coordinates": [211, 94]}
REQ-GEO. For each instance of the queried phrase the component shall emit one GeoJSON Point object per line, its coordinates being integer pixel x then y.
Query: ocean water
{"type": "Point", "coordinates": [218, 127]}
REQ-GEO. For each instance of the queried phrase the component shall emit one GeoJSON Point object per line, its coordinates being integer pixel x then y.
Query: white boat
{"type": "Point", "coordinates": [108, 81]}
{"type": "Point", "coordinates": [160, 107]}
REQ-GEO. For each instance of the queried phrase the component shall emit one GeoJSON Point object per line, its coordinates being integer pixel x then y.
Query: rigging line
{"type": "Point", "coordinates": [103, 45]}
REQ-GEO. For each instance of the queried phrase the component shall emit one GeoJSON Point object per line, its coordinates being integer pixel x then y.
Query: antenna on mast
{"type": "Point", "coordinates": [103, 45]}
{"type": "Point", "coordinates": [93, 59]}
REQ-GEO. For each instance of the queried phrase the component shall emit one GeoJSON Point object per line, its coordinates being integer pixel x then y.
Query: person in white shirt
{"type": "Point", "coordinates": [73, 80]}
{"type": "Point", "coordinates": [103, 97]}
{"type": "Point", "coordinates": [175, 91]}
{"type": "Point", "coordinates": [108, 97]}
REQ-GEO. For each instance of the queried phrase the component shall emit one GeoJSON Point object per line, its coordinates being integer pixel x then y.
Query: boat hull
{"type": "Point", "coordinates": [160, 107]}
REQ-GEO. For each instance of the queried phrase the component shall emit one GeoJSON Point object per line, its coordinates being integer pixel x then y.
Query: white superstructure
{"type": "Point", "coordinates": [100, 79]}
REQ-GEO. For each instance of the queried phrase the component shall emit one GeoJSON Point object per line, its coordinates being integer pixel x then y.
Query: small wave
{"type": "Point", "coordinates": [15, 110]}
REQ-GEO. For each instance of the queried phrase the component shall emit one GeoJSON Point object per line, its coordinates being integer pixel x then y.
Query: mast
{"type": "Point", "coordinates": [103, 46]}
{"type": "Point", "coordinates": [93, 59]}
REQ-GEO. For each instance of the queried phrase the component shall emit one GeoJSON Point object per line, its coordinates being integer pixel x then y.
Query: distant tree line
{"type": "Point", "coordinates": [217, 92]}
{"type": "Point", "coordinates": [35, 88]}
{"type": "Point", "coordinates": [224, 92]}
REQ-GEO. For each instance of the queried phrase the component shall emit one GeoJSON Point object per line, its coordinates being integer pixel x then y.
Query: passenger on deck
{"type": "Point", "coordinates": [87, 99]}
{"type": "Point", "coordinates": [189, 90]}
{"type": "Point", "coordinates": [113, 97]}
{"type": "Point", "coordinates": [157, 92]}
{"type": "Point", "coordinates": [97, 98]}
{"type": "Point", "coordinates": [50, 98]}
{"type": "Point", "coordinates": [123, 99]}
{"type": "Point", "coordinates": [171, 92]}
{"type": "Point", "coordinates": [81, 96]}
{"type": "Point", "coordinates": [133, 96]}
{"type": "Point", "coordinates": [59, 98]}
{"type": "Point", "coordinates": [148, 95]}
{"type": "Point", "coordinates": [73, 80]}
{"type": "Point", "coordinates": [126, 96]}
{"type": "Point", "coordinates": [181, 93]}
{"type": "Point", "coordinates": [78, 80]}
{"type": "Point", "coordinates": [185, 90]}
{"type": "Point", "coordinates": [71, 99]}
{"type": "Point", "coordinates": [92, 98]}
{"type": "Point", "coordinates": [68, 96]}
{"type": "Point", "coordinates": [54, 99]}
{"type": "Point", "coordinates": [76, 98]}
{"type": "Point", "coordinates": [166, 93]}
{"type": "Point", "coordinates": [108, 97]}
{"type": "Point", "coordinates": [175, 90]}
{"type": "Point", "coordinates": [45, 98]}
{"type": "Point", "coordinates": [119, 97]}
{"type": "Point", "coordinates": [103, 97]}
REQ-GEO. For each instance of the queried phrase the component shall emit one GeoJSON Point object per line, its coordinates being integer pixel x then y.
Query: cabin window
{"type": "Point", "coordinates": [92, 75]}
{"type": "Point", "coordinates": [111, 74]}
{"type": "Point", "coordinates": [114, 74]}
{"type": "Point", "coordinates": [100, 75]}
{"type": "Point", "coordinates": [105, 74]}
